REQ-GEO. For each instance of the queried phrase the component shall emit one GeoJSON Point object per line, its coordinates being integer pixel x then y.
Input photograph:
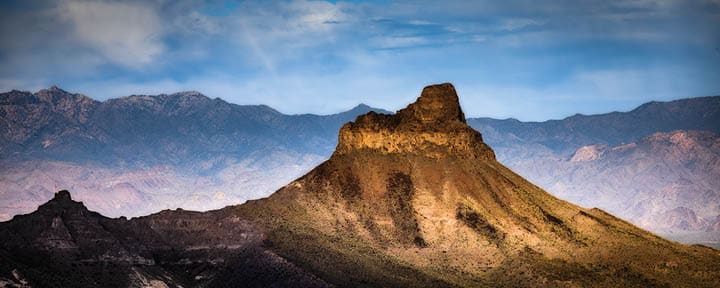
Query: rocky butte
{"type": "Point", "coordinates": [414, 199]}
{"type": "Point", "coordinates": [434, 127]}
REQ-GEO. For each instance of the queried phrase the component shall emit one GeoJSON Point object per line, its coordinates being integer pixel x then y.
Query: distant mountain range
{"type": "Point", "coordinates": [139, 154]}
{"type": "Point", "coordinates": [564, 136]}
{"type": "Point", "coordinates": [182, 129]}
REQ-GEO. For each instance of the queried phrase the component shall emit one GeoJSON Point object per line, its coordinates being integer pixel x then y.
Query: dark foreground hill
{"type": "Point", "coordinates": [415, 199]}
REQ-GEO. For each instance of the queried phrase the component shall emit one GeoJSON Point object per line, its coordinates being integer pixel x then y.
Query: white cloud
{"type": "Point", "coordinates": [513, 24]}
{"type": "Point", "coordinates": [398, 42]}
{"type": "Point", "coordinates": [126, 33]}
{"type": "Point", "coordinates": [420, 22]}
{"type": "Point", "coordinates": [311, 16]}
{"type": "Point", "coordinates": [298, 23]}
{"type": "Point", "coordinates": [274, 32]}
{"type": "Point", "coordinates": [195, 21]}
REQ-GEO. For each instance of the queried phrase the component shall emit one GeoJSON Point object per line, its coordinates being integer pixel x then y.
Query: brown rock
{"type": "Point", "coordinates": [434, 126]}
{"type": "Point", "coordinates": [437, 103]}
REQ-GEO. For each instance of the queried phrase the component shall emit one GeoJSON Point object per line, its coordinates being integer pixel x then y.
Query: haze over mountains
{"type": "Point", "coordinates": [644, 165]}
{"type": "Point", "coordinates": [412, 199]}
{"type": "Point", "coordinates": [139, 154]}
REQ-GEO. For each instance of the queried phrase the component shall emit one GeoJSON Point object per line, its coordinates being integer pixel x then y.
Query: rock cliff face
{"type": "Point", "coordinates": [433, 126]}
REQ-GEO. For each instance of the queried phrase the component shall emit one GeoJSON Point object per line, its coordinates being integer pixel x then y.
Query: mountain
{"type": "Point", "coordinates": [414, 199]}
{"type": "Point", "coordinates": [564, 136]}
{"type": "Point", "coordinates": [181, 129]}
{"type": "Point", "coordinates": [139, 154]}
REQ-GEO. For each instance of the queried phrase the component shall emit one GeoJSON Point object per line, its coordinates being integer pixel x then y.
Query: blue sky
{"type": "Point", "coordinates": [531, 60]}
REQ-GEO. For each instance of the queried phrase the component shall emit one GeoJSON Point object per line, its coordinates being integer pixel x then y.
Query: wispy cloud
{"type": "Point", "coordinates": [512, 24]}
{"type": "Point", "coordinates": [128, 34]}
{"type": "Point", "coordinates": [398, 41]}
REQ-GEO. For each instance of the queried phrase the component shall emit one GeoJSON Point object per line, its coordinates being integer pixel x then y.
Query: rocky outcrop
{"type": "Point", "coordinates": [433, 126]}
{"type": "Point", "coordinates": [589, 153]}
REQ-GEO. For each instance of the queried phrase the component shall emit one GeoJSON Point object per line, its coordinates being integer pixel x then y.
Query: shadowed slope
{"type": "Point", "coordinates": [63, 244]}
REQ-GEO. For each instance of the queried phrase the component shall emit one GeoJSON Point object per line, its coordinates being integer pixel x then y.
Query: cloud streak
{"type": "Point", "coordinates": [127, 34]}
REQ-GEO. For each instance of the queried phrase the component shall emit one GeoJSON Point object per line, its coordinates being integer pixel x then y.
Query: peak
{"type": "Point", "coordinates": [62, 195]}
{"type": "Point", "coordinates": [189, 94]}
{"type": "Point", "coordinates": [360, 109]}
{"type": "Point", "coordinates": [361, 106]}
{"type": "Point", "coordinates": [437, 103]}
{"type": "Point", "coordinates": [57, 95]}
{"type": "Point", "coordinates": [61, 201]}
{"type": "Point", "coordinates": [432, 126]}
{"type": "Point", "coordinates": [53, 90]}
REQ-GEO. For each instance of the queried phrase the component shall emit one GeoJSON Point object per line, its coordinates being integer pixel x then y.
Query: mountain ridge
{"type": "Point", "coordinates": [367, 217]}
{"type": "Point", "coordinates": [614, 128]}
{"type": "Point", "coordinates": [175, 154]}
{"type": "Point", "coordinates": [98, 125]}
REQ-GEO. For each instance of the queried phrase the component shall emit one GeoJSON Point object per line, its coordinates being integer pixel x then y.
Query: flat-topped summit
{"type": "Point", "coordinates": [437, 103]}
{"type": "Point", "coordinates": [433, 126]}
{"type": "Point", "coordinates": [62, 195]}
